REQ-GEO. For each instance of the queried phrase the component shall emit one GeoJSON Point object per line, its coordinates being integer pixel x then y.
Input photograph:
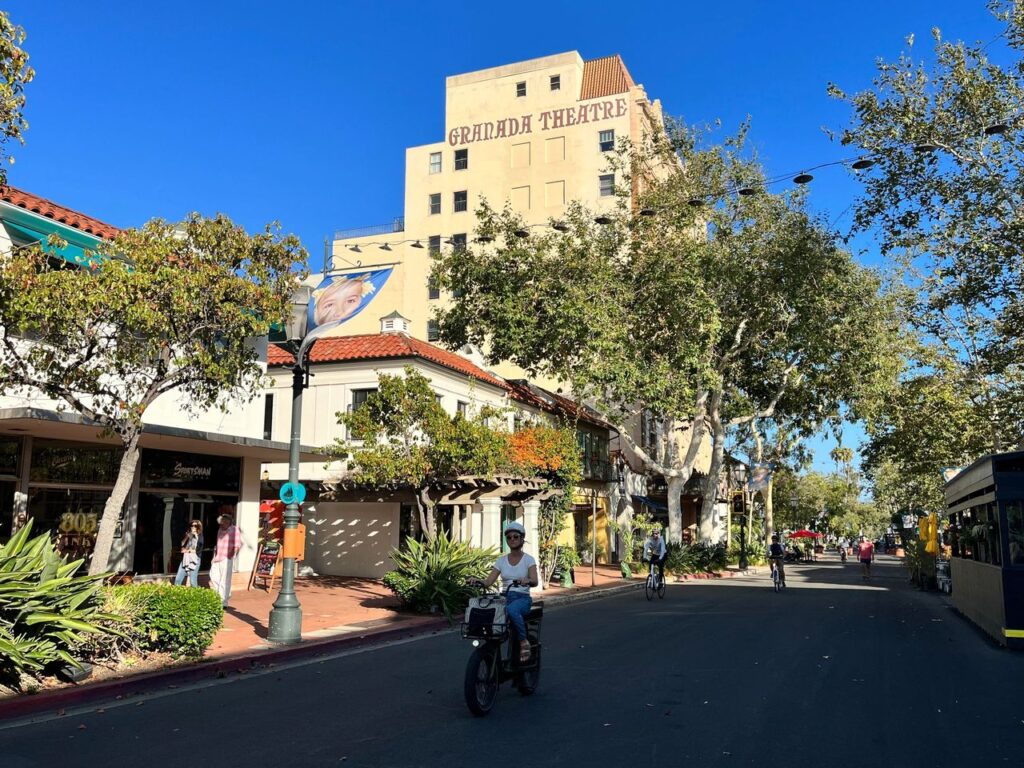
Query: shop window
{"type": "Point", "coordinates": [556, 82]}
{"type": "Point", "coordinates": [169, 512]}
{"type": "Point", "coordinates": [520, 89]}
{"type": "Point", "coordinates": [6, 509]}
{"type": "Point", "coordinates": [435, 162]}
{"type": "Point", "coordinates": [1015, 531]}
{"type": "Point", "coordinates": [606, 187]}
{"type": "Point", "coordinates": [10, 453]}
{"type": "Point", "coordinates": [460, 201]}
{"type": "Point", "coordinates": [435, 203]}
{"type": "Point", "coordinates": [73, 514]}
{"type": "Point", "coordinates": [606, 140]}
{"type": "Point", "coordinates": [461, 159]}
{"type": "Point", "coordinates": [78, 463]}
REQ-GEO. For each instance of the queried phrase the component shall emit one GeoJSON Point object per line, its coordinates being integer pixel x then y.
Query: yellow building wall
{"type": "Point", "coordinates": [567, 538]}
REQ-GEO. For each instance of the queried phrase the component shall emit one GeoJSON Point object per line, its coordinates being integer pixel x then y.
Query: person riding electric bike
{"type": "Point", "coordinates": [518, 572]}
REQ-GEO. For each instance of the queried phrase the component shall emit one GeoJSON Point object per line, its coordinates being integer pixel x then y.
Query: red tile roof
{"type": "Point", "coordinates": [530, 394]}
{"type": "Point", "coordinates": [383, 346]}
{"type": "Point", "coordinates": [604, 77]}
{"type": "Point", "coordinates": [51, 210]}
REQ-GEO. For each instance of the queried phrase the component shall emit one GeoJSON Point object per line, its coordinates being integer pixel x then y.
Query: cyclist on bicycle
{"type": "Point", "coordinates": [656, 552]}
{"type": "Point", "coordinates": [776, 553]}
{"type": "Point", "coordinates": [518, 572]}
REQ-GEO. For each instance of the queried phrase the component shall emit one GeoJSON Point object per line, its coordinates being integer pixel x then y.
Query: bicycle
{"type": "Point", "coordinates": [655, 582]}
{"type": "Point", "coordinates": [495, 656]}
{"type": "Point", "coordinates": [776, 576]}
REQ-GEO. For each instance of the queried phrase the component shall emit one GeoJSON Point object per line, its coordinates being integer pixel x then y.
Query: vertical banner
{"type": "Point", "coordinates": [760, 475]}
{"type": "Point", "coordinates": [341, 297]}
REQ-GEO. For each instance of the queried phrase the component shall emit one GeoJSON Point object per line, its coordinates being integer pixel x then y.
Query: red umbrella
{"type": "Point", "coordinates": [803, 534]}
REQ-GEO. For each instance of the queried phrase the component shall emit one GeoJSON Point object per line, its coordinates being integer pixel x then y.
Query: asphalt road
{"type": "Point", "coordinates": [834, 671]}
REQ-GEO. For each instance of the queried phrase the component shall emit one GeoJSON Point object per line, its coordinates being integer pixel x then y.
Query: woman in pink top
{"type": "Point", "coordinates": [229, 541]}
{"type": "Point", "coordinates": [866, 553]}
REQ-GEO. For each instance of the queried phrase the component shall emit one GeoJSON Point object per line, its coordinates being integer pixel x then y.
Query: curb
{"type": "Point", "coordinates": [54, 702]}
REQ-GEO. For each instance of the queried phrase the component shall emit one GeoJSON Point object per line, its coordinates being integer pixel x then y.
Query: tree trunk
{"type": "Point", "coordinates": [115, 503]}
{"type": "Point", "coordinates": [675, 510]}
{"type": "Point", "coordinates": [426, 508]}
{"type": "Point", "coordinates": [769, 513]}
{"type": "Point", "coordinates": [709, 504]}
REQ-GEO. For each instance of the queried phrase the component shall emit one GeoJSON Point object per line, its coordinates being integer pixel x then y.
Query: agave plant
{"type": "Point", "coordinates": [435, 573]}
{"type": "Point", "coordinates": [46, 611]}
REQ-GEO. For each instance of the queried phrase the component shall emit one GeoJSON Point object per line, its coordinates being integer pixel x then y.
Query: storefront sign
{"type": "Point", "coordinates": [549, 120]}
{"type": "Point", "coordinates": [167, 469]}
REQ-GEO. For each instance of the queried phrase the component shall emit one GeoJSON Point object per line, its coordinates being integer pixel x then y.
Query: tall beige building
{"type": "Point", "coordinates": [535, 133]}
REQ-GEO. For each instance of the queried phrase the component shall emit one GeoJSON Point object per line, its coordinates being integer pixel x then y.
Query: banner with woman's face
{"type": "Point", "coordinates": [341, 297]}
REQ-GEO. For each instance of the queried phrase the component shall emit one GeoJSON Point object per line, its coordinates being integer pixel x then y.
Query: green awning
{"type": "Point", "coordinates": [36, 231]}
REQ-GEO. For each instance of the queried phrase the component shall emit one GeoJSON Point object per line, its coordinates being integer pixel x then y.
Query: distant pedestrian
{"type": "Point", "coordinates": [229, 541]}
{"type": "Point", "coordinates": [191, 551]}
{"type": "Point", "coordinates": [866, 553]}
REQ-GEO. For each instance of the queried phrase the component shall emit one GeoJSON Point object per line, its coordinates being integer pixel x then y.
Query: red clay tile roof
{"type": "Point", "coordinates": [51, 210]}
{"type": "Point", "coordinates": [604, 77]}
{"type": "Point", "coordinates": [383, 346]}
{"type": "Point", "coordinates": [530, 394]}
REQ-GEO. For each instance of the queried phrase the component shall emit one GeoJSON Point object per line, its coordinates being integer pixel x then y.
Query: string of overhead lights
{"type": "Point", "coordinates": [805, 176]}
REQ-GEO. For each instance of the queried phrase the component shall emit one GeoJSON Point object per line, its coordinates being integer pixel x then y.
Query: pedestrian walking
{"type": "Point", "coordinates": [229, 541]}
{"type": "Point", "coordinates": [866, 553]}
{"type": "Point", "coordinates": [191, 551]}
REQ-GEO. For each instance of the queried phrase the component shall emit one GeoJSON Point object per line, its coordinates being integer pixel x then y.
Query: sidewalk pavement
{"type": "Point", "coordinates": [337, 613]}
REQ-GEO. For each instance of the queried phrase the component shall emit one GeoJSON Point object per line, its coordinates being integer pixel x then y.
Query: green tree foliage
{"type": "Point", "coordinates": [944, 198]}
{"type": "Point", "coordinates": [160, 309]}
{"type": "Point", "coordinates": [827, 504]}
{"type": "Point", "coordinates": [717, 309]}
{"type": "Point", "coordinates": [15, 74]}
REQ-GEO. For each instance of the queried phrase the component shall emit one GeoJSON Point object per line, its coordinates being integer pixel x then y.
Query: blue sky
{"type": "Point", "coordinates": [301, 112]}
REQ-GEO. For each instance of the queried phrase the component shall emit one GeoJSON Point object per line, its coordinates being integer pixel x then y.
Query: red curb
{"type": "Point", "coordinates": [58, 700]}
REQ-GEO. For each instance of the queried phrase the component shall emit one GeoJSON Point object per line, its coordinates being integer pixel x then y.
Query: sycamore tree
{"type": "Point", "coordinates": [401, 438]}
{"type": "Point", "coordinates": [15, 74]}
{"type": "Point", "coordinates": [943, 198]}
{"type": "Point", "coordinates": [704, 308]}
{"type": "Point", "coordinates": [159, 311]}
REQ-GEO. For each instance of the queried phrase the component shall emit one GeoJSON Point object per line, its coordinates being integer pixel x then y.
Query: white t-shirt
{"type": "Point", "coordinates": [520, 571]}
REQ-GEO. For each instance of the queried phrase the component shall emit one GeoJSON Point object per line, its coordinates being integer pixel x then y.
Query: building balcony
{"type": "Point", "coordinates": [397, 225]}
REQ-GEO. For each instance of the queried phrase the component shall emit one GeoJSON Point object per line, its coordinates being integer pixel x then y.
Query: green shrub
{"type": "Point", "coordinates": [46, 612]}
{"type": "Point", "coordinates": [680, 559]}
{"type": "Point", "coordinates": [756, 554]}
{"type": "Point", "coordinates": [696, 558]}
{"type": "Point", "coordinates": [181, 621]}
{"type": "Point", "coordinates": [568, 558]}
{"type": "Point", "coordinates": [435, 573]}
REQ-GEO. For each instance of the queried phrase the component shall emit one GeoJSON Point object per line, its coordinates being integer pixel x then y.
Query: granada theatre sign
{"type": "Point", "coordinates": [548, 120]}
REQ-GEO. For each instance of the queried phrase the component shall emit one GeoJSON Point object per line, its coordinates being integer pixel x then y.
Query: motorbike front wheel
{"type": "Point", "coordinates": [481, 683]}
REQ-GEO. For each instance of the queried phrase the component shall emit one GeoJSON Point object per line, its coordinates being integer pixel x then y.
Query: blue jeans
{"type": "Point", "coordinates": [193, 576]}
{"type": "Point", "coordinates": [517, 605]}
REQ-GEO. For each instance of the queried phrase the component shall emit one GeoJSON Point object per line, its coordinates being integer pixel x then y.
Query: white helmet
{"type": "Point", "coordinates": [517, 527]}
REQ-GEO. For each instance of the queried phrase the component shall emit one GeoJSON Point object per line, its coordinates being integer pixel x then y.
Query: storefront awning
{"type": "Point", "coordinates": [54, 425]}
{"type": "Point", "coordinates": [650, 503]}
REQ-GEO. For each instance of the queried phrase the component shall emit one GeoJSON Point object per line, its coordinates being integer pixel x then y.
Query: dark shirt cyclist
{"type": "Point", "coordinates": [776, 552]}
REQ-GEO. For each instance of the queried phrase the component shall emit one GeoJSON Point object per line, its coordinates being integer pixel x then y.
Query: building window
{"type": "Point", "coordinates": [461, 159]}
{"type": "Point", "coordinates": [459, 244]}
{"type": "Point", "coordinates": [435, 162]}
{"type": "Point", "coordinates": [433, 333]}
{"type": "Point", "coordinates": [434, 245]}
{"type": "Point", "coordinates": [521, 89]}
{"type": "Point", "coordinates": [556, 82]}
{"type": "Point", "coordinates": [435, 203]}
{"type": "Point", "coordinates": [606, 140]}
{"type": "Point", "coordinates": [461, 201]}
{"type": "Point", "coordinates": [462, 408]}
{"type": "Point", "coordinates": [359, 398]}
{"type": "Point", "coordinates": [433, 292]}
{"type": "Point", "coordinates": [268, 416]}
{"type": "Point", "coordinates": [607, 187]}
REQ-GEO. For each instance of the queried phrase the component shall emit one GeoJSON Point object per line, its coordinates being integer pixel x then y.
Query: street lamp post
{"type": "Point", "coordinates": [286, 615]}
{"type": "Point", "coordinates": [739, 476]}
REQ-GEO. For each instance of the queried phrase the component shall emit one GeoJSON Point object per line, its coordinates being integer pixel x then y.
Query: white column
{"type": "Point", "coordinates": [531, 522]}
{"type": "Point", "coordinates": [476, 527]}
{"type": "Point", "coordinates": [490, 523]}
